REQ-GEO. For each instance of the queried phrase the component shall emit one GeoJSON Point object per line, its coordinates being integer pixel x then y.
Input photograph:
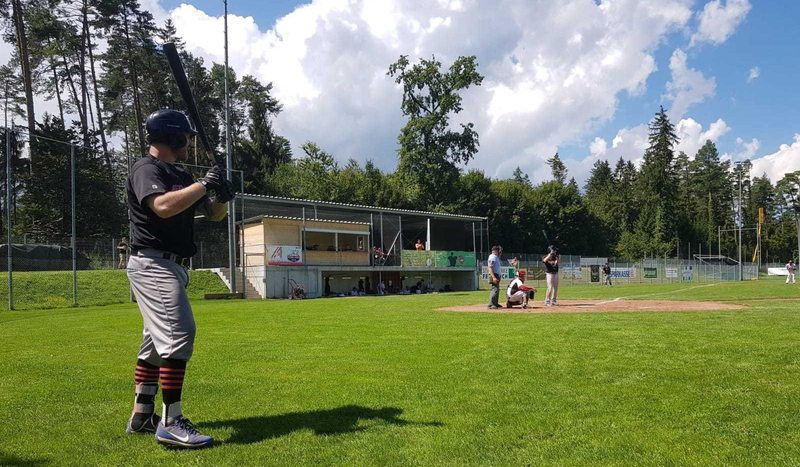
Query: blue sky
{"type": "Point", "coordinates": [767, 108]}
{"type": "Point", "coordinates": [585, 78]}
{"type": "Point", "coordinates": [265, 12]}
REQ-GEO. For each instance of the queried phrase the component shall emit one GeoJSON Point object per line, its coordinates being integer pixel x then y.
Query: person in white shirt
{"type": "Point", "coordinates": [517, 291]}
{"type": "Point", "coordinates": [790, 268]}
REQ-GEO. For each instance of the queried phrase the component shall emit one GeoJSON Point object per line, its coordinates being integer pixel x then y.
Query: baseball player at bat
{"type": "Point", "coordinates": [162, 199]}
{"type": "Point", "coordinates": [551, 274]}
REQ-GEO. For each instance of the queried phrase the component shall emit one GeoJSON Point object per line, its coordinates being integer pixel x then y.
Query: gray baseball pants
{"type": "Point", "coordinates": [159, 285]}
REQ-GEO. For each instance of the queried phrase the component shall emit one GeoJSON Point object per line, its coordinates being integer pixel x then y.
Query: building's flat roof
{"type": "Point", "coordinates": [360, 207]}
{"type": "Point", "coordinates": [257, 219]}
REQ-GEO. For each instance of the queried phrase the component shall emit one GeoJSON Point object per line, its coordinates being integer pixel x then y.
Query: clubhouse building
{"type": "Point", "coordinates": [334, 249]}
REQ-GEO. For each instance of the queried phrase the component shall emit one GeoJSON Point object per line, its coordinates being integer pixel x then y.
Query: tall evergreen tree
{"type": "Point", "coordinates": [558, 168]}
{"type": "Point", "coordinates": [602, 201]}
{"type": "Point", "coordinates": [521, 177]}
{"type": "Point", "coordinates": [656, 192]}
{"type": "Point", "coordinates": [710, 190]}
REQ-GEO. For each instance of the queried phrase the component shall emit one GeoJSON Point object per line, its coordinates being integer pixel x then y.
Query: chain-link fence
{"type": "Point", "coordinates": [64, 210]}
{"type": "Point", "coordinates": [576, 269]}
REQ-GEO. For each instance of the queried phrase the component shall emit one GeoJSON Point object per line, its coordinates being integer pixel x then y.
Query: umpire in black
{"type": "Point", "coordinates": [162, 200]}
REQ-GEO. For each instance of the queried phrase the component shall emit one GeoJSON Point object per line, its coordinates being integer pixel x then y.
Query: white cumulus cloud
{"type": "Point", "coordinates": [553, 70]}
{"type": "Point", "coordinates": [688, 86]}
{"type": "Point", "coordinates": [746, 150]}
{"type": "Point", "coordinates": [718, 21]}
{"type": "Point", "coordinates": [692, 136]}
{"type": "Point", "coordinates": [786, 159]}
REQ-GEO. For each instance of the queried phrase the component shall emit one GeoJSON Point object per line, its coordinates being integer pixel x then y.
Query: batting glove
{"type": "Point", "coordinates": [214, 178]}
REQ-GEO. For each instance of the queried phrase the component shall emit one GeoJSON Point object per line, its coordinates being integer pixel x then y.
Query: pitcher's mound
{"type": "Point", "coordinates": [601, 306]}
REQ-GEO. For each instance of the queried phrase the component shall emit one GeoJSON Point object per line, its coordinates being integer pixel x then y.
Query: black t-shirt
{"type": "Point", "coordinates": [606, 270]}
{"type": "Point", "coordinates": [551, 267]}
{"type": "Point", "coordinates": [150, 176]}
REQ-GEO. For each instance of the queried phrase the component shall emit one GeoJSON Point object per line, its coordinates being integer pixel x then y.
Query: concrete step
{"type": "Point", "coordinates": [249, 289]}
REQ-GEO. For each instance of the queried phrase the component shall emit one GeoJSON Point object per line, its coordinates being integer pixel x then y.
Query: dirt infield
{"type": "Point", "coordinates": [604, 306]}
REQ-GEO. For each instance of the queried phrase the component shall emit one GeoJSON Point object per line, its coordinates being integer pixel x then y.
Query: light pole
{"type": "Point", "coordinates": [229, 167]}
{"type": "Point", "coordinates": [739, 215]}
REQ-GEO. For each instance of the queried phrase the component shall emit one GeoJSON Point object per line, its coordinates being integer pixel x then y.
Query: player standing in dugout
{"type": "Point", "coordinates": [162, 199]}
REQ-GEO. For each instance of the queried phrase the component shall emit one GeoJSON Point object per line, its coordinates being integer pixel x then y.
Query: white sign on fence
{"type": "Point", "coordinates": [671, 273]}
{"type": "Point", "coordinates": [623, 273]}
{"type": "Point", "coordinates": [777, 271]}
{"type": "Point", "coordinates": [284, 255]}
{"type": "Point", "coordinates": [570, 271]}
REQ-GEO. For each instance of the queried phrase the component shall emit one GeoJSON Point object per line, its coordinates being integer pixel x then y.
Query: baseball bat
{"type": "Point", "coordinates": [546, 238]}
{"type": "Point", "coordinates": [171, 52]}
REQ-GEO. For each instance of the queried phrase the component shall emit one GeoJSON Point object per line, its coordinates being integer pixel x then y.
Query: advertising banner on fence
{"type": "Point", "coordinates": [454, 259]}
{"type": "Point", "coordinates": [650, 273]}
{"type": "Point", "coordinates": [671, 273]}
{"type": "Point", "coordinates": [623, 273]}
{"type": "Point", "coordinates": [506, 273]}
{"type": "Point", "coordinates": [284, 255]}
{"type": "Point", "coordinates": [595, 272]}
{"type": "Point", "coordinates": [687, 273]}
{"type": "Point", "coordinates": [570, 271]}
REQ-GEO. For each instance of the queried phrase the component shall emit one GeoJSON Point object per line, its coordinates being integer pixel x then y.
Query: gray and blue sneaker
{"type": "Point", "coordinates": [183, 434]}
{"type": "Point", "coordinates": [142, 423]}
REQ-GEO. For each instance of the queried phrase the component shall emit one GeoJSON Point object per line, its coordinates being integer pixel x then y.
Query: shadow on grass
{"type": "Point", "coordinates": [10, 459]}
{"type": "Point", "coordinates": [340, 420]}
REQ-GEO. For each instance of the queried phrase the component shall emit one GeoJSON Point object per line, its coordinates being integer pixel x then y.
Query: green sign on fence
{"type": "Point", "coordinates": [438, 259]}
{"type": "Point", "coordinates": [650, 273]}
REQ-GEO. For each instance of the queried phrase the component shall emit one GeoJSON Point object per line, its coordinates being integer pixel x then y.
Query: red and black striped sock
{"type": "Point", "coordinates": [146, 378]}
{"type": "Point", "coordinates": [172, 373]}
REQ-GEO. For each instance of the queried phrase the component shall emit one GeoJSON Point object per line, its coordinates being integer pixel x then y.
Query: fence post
{"type": "Point", "coordinates": [8, 214]}
{"type": "Point", "coordinates": [74, 246]}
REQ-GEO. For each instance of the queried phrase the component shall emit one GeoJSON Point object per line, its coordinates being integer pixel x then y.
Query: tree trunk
{"type": "Point", "coordinates": [71, 82]}
{"type": "Point", "coordinates": [25, 64]}
{"type": "Point", "coordinates": [57, 86]}
{"type": "Point", "coordinates": [84, 86]}
{"type": "Point", "coordinates": [58, 94]}
{"type": "Point", "coordinates": [137, 108]}
{"type": "Point", "coordinates": [22, 45]}
{"type": "Point", "coordinates": [103, 141]}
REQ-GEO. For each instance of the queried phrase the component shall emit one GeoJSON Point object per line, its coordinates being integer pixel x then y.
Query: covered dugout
{"type": "Point", "coordinates": [331, 248]}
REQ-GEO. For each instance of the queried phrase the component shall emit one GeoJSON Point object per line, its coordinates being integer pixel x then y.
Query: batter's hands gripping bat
{"type": "Point", "coordinates": [171, 52]}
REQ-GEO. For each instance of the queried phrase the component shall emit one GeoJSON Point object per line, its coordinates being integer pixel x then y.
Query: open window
{"type": "Point", "coordinates": [322, 241]}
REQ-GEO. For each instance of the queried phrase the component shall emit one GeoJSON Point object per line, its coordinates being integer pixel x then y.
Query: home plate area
{"type": "Point", "coordinates": [603, 306]}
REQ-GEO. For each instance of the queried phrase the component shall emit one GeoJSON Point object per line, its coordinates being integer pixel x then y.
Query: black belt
{"type": "Point", "coordinates": [154, 253]}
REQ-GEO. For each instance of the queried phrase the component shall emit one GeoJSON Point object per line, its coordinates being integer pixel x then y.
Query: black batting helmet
{"type": "Point", "coordinates": [168, 126]}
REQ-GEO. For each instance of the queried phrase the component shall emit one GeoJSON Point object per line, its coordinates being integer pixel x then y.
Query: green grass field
{"type": "Point", "coordinates": [389, 380]}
